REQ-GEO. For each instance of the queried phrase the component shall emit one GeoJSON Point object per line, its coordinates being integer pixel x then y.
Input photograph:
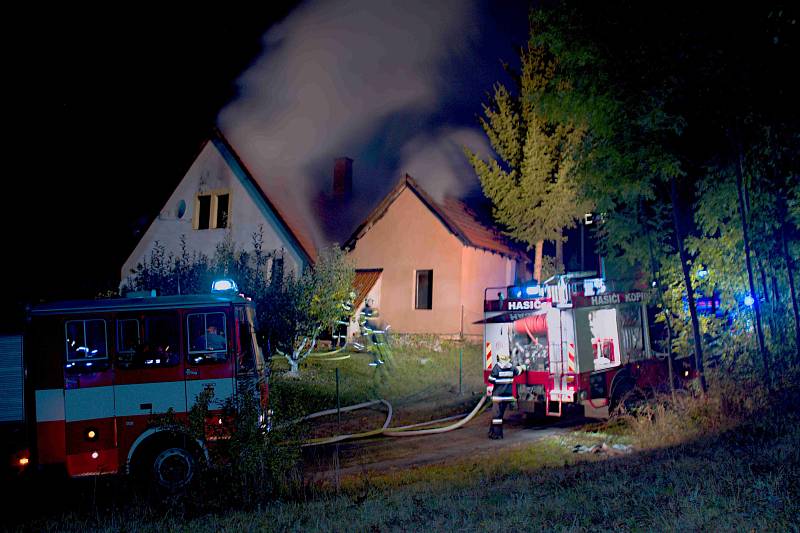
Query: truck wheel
{"type": "Point", "coordinates": [173, 469]}
{"type": "Point", "coordinates": [626, 399]}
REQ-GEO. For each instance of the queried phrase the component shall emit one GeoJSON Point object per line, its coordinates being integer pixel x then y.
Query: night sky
{"type": "Point", "coordinates": [109, 110]}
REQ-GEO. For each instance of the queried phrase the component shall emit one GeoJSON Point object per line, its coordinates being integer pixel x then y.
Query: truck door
{"type": "Point", "coordinates": [90, 436]}
{"type": "Point", "coordinates": [210, 342]}
{"type": "Point", "coordinates": [149, 372]}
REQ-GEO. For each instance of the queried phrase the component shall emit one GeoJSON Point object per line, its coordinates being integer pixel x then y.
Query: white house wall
{"type": "Point", "coordinates": [210, 172]}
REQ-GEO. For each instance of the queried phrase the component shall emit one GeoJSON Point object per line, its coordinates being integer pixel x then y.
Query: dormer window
{"type": "Point", "coordinates": [212, 210]}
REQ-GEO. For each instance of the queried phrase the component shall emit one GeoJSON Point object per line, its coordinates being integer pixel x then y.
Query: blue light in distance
{"type": "Point", "coordinates": [702, 273]}
{"type": "Point", "coordinates": [749, 301]}
{"type": "Point", "coordinates": [221, 285]}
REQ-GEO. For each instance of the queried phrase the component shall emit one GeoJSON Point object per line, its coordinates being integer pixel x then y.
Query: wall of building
{"type": "Point", "coordinates": [479, 270]}
{"type": "Point", "coordinates": [408, 238]}
{"type": "Point", "coordinates": [210, 173]}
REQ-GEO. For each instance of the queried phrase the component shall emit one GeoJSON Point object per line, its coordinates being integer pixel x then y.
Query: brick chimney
{"type": "Point", "coordinates": [342, 177]}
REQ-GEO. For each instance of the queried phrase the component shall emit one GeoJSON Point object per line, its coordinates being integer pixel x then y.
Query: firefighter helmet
{"type": "Point", "coordinates": [503, 358]}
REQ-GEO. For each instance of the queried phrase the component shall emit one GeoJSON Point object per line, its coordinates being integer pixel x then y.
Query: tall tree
{"type": "Point", "coordinates": [532, 182]}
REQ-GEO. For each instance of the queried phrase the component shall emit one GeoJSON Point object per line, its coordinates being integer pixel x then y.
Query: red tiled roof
{"type": "Point", "coordinates": [459, 219]}
{"type": "Point", "coordinates": [475, 232]}
{"type": "Point", "coordinates": [364, 281]}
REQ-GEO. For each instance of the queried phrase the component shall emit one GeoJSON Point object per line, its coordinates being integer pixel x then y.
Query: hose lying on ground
{"type": "Point", "coordinates": [403, 431]}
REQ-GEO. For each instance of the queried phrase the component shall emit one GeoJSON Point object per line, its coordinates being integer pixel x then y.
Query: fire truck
{"type": "Point", "coordinates": [583, 344]}
{"type": "Point", "coordinates": [102, 377]}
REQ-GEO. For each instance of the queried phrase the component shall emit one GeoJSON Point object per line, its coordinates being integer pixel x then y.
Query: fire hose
{"type": "Point", "coordinates": [402, 431]}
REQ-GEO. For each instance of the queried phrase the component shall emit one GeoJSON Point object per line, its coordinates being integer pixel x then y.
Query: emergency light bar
{"type": "Point", "coordinates": [224, 285]}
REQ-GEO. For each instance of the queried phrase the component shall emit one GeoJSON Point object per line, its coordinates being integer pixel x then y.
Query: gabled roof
{"type": "Point", "coordinates": [293, 232]}
{"type": "Point", "coordinates": [364, 281]}
{"type": "Point", "coordinates": [454, 214]}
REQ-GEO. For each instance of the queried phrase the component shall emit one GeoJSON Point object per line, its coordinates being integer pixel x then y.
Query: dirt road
{"type": "Point", "coordinates": [383, 454]}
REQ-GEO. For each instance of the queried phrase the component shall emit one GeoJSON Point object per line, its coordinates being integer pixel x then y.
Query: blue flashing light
{"type": "Point", "coordinates": [518, 293]}
{"type": "Point", "coordinates": [702, 273]}
{"type": "Point", "coordinates": [530, 290]}
{"type": "Point", "coordinates": [749, 301]}
{"type": "Point", "coordinates": [222, 285]}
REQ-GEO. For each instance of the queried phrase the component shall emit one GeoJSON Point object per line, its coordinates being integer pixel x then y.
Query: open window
{"type": "Point", "coordinates": [212, 210]}
{"type": "Point", "coordinates": [207, 338]}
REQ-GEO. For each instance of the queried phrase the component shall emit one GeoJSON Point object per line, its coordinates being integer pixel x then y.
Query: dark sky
{"type": "Point", "coordinates": [109, 110]}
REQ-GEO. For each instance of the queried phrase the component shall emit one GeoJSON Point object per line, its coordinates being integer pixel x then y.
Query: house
{"type": "Point", "coordinates": [435, 260]}
{"type": "Point", "coordinates": [218, 198]}
{"type": "Point", "coordinates": [424, 264]}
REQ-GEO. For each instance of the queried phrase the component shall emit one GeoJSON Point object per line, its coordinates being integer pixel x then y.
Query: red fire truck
{"type": "Point", "coordinates": [583, 343]}
{"type": "Point", "coordinates": [99, 372]}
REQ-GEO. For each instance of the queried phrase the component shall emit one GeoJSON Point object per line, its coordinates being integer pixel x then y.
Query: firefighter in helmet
{"type": "Point", "coordinates": [501, 378]}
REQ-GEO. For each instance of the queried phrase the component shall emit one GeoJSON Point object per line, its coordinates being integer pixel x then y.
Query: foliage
{"type": "Point", "coordinates": [532, 182]}
{"type": "Point", "coordinates": [301, 308]}
{"type": "Point", "coordinates": [293, 309]}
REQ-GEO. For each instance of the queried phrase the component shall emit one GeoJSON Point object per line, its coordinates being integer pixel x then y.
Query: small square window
{"type": "Point", "coordinates": [213, 211]}
{"type": "Point", "coordinates": [424, 290]}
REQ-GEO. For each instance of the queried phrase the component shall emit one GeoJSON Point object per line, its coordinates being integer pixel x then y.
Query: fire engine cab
{"type": "Point", "coordinates": [582, 342]}
{"type": "Point", "coordinates": [99, 372]}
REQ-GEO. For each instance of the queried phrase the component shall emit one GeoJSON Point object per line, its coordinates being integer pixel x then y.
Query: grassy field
{"type": "Point", "coordinates": [420, 380]}
{"type": "Point", "coordinates": [727, 462]}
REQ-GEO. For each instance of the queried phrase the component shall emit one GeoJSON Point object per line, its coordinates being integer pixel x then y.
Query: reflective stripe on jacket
{"type": "Point", "coordinates": [502, 377]}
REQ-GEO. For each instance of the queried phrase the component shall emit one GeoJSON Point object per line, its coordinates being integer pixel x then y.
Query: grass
{"type": "Point", "coordinates": [719, 483]}
{"type": "Point", "coordinates": [421, 381]}
{"type": "Point", "coordinates": [729, 461]}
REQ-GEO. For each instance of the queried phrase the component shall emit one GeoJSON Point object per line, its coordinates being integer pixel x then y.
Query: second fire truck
{"type": "Point", "coordinates": [582, 342]}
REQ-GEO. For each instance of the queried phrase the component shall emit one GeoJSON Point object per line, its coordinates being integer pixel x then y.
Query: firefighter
{"type": "Point", "coordinates": [501, 379]}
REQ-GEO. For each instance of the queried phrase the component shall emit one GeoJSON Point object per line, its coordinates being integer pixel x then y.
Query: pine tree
{"type": "Point", "coordinates": [532, 180]}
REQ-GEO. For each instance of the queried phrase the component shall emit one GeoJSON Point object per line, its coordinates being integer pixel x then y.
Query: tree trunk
{"type": "Point", "coordinates": [559, 256]}
{"type": "Point", "coordinates": [687, 280]}
{"type": "Point", "coordinates": [790, 270]}
{"type": "Point", "coordinates": [537, 262]}
{"type": "Point", "coordinates": [294, 366]}
{"type": "Point", "coordinates": [753, 292]}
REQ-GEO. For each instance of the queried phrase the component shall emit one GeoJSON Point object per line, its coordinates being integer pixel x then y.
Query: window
{"type": "Point", "coordinates": [424, 293]}
{"type": "Point", "coordinates": [203, 211]}
{"type": "Point", "coordinates": [207, 337]}
{"type": "Point", "coordinates": [127, 335]}
{"type": "Point", "coordinates": [86, 342]}
{"type": "Point", "coordinates": [158, 348]}
{"type": "Point", "coordinates": [212, 210]}
{"type": "Point", "coordinates": [222, 211]}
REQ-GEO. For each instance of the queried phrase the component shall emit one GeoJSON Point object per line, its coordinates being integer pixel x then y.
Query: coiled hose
{"type": "Point", "coordinates": [402, 431]}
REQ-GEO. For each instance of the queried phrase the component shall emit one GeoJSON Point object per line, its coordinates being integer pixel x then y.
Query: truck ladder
{"type": "Point", "coordinates": [547, 402]}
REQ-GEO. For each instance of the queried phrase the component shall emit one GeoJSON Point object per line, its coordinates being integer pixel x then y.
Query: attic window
{"type": "Point", "coordinates": [212, 210]}
{"type": "Point", "coordinates": [424, 293]}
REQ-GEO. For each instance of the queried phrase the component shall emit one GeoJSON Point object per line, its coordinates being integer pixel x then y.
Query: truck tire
{"type": "Point", "coordinates": [626, 397]}
{"type": "Point", "coordinates": [173, 469]}
{"type": "Point", "coordinates": [166, 464]}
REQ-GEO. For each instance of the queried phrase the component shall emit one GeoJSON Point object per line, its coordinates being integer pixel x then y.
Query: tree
{"type": "Point", "coordinates": [293, 309]}
{"type": "Point", "coordinates": [301, 308]}
{"type": "Point", "coordinates": [531, 181]}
